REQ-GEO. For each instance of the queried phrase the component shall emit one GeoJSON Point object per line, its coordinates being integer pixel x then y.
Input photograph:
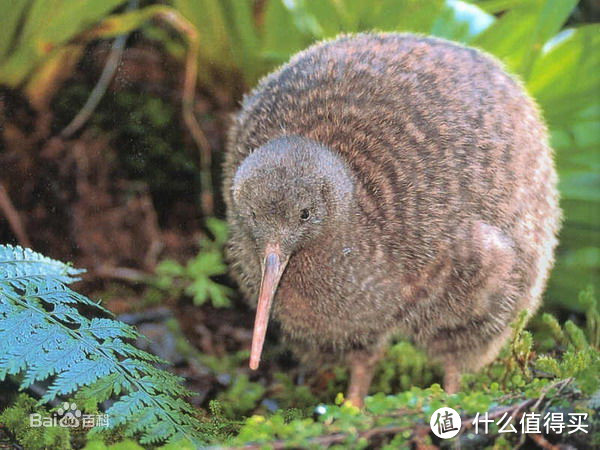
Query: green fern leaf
{"type": "Point", "coordinates": [43, 336]}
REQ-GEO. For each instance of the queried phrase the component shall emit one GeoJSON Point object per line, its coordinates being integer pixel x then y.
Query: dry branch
{"type": "Point", "coordinates": [189, 92]}
{"type": "Point", "coordinates": [14, 218]}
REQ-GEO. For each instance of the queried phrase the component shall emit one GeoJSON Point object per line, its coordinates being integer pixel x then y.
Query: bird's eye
{"type": "Point", "coordinates": [253, 214]}
{"type": "Point", "coordinates": [304, 214]}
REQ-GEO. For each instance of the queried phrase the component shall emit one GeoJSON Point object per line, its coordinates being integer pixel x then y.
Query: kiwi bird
{"type": "Point", "coordinates": [383, 184]}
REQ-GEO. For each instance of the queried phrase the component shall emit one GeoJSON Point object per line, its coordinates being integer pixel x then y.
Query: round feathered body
{"type": "Point", "coordinates": [405, 184]}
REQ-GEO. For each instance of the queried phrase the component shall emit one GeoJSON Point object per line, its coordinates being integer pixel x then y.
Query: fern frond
{"type": "Point", "coordinates": [44, 335]}
{"type": "Point", "coordinates": [19, 265]}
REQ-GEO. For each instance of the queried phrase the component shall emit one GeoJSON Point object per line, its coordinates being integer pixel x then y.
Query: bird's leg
{"type": "Point", "coordinates": [362, 367]}
{"type": "Point", "coordinates": [451, 377]}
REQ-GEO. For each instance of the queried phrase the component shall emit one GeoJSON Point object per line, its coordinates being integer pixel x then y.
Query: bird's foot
{"type": "Point", "coordinates": [362, 366]}
{"type": "Point", "coordinates": [355, 399]}
{"type": "Point", "coordinates": [451, 378]}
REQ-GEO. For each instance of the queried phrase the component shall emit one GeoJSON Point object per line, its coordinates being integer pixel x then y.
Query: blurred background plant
{"type": "Point", "coordinates": [194, 278]}
{"type": "Point", "coordinates": [125, 193]}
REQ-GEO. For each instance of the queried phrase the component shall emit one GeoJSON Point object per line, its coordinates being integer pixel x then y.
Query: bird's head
{"type": "Point", "coordinates": [286, 195]}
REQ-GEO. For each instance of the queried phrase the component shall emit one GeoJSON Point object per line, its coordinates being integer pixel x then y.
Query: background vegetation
{"type": "Point", "coordinates": [121, 176]}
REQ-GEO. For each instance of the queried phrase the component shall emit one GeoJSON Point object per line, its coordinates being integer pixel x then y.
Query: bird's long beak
{"type": "Point", "coordinates": [273, 267]}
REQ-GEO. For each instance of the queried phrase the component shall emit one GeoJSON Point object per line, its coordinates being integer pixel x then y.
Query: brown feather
{"type": "Point", "coordinates": [436, 186]}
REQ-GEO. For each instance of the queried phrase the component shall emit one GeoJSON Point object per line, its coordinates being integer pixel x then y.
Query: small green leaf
{"type": "Point", "coordinates": [170, 268]}
{"type": "Point", "coordinates": [566, 78]}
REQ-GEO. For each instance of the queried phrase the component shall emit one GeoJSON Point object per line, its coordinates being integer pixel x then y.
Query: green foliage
{"type": "Point", "coordinates": [404, 366]}
{"type": "Point", "coordinates": [234, 41]}
{"type": "Point", "coordinates": [194, 279]}
{"type": "Point", "coordinates": [219, 427]}
{"type": "Point", "coordinates": [347, 426]}
{"type": "Point", "coordinates": [16, 419]}
{"type": "Point", "coordinates": [292, 397]}
{"type": "Point", "coordinates": [31, 34]}
{"type": "Point", "coordinates": [228, 35]}
{"type": "Point", "coordinates": [512, 368]}
{"type": "Point", "coordinates": [588, 300]}
{"type": "Point", "coordinates": [519, 35]}
{"type": "Point", "coordinates": [581, 359]}
{"type": "Point", "coordinates": [123, 445]}
{"type": "Point", "coordinates": [518, 376]}
{"type": "Point", "coordinates": [574, 353]}
{"type": "Point", "coordinates": [565, 82]}
{"type": "Point", "coordinates": [241, 397]}
{"type": "Point", "coordinates": [43, 336]}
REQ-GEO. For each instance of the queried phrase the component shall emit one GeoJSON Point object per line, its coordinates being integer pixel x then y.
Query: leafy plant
{"type": "Point", "coordinates": [237, 40]}
{"type": "Point", "coordinates": [38, 35]}
{"type": "Point", "coordinates": [404, 366]}
{"type": "Point", "coordinates": [230, 38]}
{"type": "Point", "coordinates": [44, 337]}
{"type": "Point", "coordinates": [581, 359]}
{"type": "Point", "coordinates": [241, 397]}
{"type": "Point", "coordinates": [194, 278]}
{"type": "Point", "coordinates": [518, 382]}
{"type": "Point", "coordinates": [16, 419]}
{"type": "Point", "coordinates": [30, 35]}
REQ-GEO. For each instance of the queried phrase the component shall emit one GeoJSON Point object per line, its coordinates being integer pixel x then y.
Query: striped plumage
{"type": "Point", "coordinates": [450, 225]}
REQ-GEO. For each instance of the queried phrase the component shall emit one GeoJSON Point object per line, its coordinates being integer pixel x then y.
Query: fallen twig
{"type": "Point", "coordinates": [542, 442]}
{"type": "Point", "coordinates": [188, 96]}
{"type": "Point", "coordinates": [184, 27]}
{"type": "Point", "coordinates": [14, 218]}
{"type": "Point", "coordinates": [560, 385]}
{"type": "Point", "coordinates": [112, 63]}
{"type": "Point", "coordinates": [121, 273]}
